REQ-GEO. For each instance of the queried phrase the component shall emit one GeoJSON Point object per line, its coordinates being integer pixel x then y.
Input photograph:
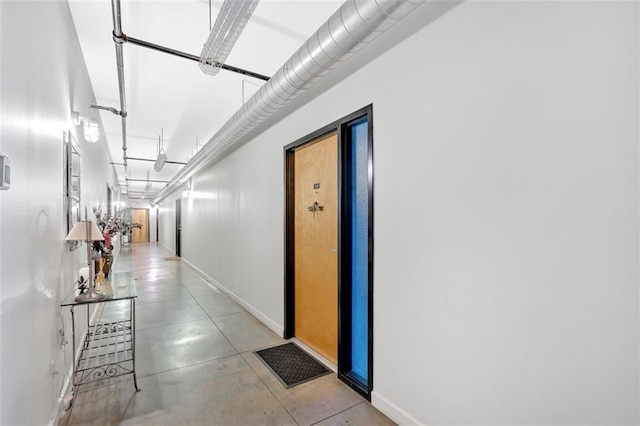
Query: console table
{"type": "Point", "coordinates": [108, 349]}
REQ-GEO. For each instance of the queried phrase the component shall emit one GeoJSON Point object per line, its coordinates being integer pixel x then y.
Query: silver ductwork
{"type": "Point", "coordinates": [355, 24]}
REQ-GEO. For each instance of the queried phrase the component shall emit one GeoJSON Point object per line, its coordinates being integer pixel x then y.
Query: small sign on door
{"type": "Point", "coordinates": [316, 186]}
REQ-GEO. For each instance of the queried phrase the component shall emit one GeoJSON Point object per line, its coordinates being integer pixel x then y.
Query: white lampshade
{"type": "Point", "coordinates": [79, 232]}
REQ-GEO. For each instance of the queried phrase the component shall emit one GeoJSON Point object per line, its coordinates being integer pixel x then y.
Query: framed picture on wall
{"type": "Point", "coordinates": [72, 183]}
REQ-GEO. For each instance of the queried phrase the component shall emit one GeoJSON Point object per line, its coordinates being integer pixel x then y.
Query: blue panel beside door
{"type": "Point", "coordinates": [359, 200]}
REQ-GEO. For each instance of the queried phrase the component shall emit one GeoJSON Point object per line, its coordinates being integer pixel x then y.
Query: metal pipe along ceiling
{"type": "Point", "coordinates": [117, 38]}
{"type": "Point", "coordinates": [355, 24]}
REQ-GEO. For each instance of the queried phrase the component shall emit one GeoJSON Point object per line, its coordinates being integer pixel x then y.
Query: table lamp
{"type": "Point", "coordinates": [87, 231]}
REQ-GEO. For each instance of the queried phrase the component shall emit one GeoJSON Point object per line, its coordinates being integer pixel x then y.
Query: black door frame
{"type": "Point", "coordinates": [340, 126]}
{"type": "Point", "coordinates": [178, 227]}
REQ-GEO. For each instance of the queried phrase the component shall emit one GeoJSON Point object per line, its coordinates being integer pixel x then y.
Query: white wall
{"type": "Point", "coordinates": [167, 222]}
{"type": "Point", "coordinates": [232, 227]}
{"type": "Point", "coordinates": [521, 271]}
{"type": "Point", "coordinates": [506, 215]}
{"type": "Point", "coordinates": [42, 78]}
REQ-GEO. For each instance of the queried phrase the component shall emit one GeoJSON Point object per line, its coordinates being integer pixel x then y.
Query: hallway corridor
{"type": "Point", "coordinates": [196, 365]}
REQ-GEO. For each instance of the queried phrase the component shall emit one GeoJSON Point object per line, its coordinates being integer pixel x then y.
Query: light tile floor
{"type": "Point", "coordinates": [195, 362]}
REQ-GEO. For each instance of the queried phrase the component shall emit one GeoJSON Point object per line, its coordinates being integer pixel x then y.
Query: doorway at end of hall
{"type": "Point", "coordinates": [141, 216]}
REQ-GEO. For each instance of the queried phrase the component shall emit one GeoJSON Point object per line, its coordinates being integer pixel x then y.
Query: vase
{"type": "Point", "coordinates": [108, 262]}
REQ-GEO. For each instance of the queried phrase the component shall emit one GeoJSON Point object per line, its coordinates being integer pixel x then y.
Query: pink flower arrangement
{"type": "Point", "coordinates": [113, 224]}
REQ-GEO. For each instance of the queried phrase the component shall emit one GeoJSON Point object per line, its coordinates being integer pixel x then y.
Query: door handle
{"type": "Point", "coordinates": [315, 207]}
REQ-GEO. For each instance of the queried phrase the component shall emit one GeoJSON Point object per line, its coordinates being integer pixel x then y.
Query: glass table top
{"type": "Point", "coordinates": [119, 286]}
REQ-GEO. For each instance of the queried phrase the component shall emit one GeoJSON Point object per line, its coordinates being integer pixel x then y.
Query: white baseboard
{"type": "Point", "coordinates": [277, 328]}
{"type": "Point", "coordinates": [166, 248]}
{"type": "Point", "coordinates": [59, 408]}
{"type": "Point", "coordinates": [392, 411]}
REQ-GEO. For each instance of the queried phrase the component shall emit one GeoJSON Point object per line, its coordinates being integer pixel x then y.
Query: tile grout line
{"type": "Point", "coordinates": [190, 365]}
{"type": "Point", "coordinates": [270, 391]}
{"type": "Point", "coordinates": [115, 383]}
{"type": "Point", "coordinates": [212, 318]}
{"type": "Point", "coordinates": [238, 353]}
{"type": "Point", "coordinates": [169, 325]}
{"type": "Point", "coordinates": [208, 317]}
{"type": "Point", "coordinates": [339, 412]}
{"type": "Point", "coordinates": [251, 369]}
{"type": "Point", "coordinates": [207, 314]}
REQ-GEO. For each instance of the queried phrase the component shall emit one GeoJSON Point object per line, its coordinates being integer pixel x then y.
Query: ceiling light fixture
{"type": "Point", "coordinates": [162, 157]}
{"type": "Point", "coordinates": [147, 187]}
{"type": "Point", "coordinates": [233, 16]}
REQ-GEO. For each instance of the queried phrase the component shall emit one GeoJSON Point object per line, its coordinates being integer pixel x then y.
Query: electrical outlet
{"type": "Point", "coordinates": [52, 367]}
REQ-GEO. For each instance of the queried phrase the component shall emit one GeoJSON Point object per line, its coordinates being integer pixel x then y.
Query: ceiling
{"type": "Point", "coordinates": [171, 95]}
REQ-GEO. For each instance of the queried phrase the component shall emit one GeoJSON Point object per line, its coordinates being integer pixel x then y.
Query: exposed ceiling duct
{"type": "Point", "coordinates": [354, 25]}
{"type": "Point", "coordinates": [232, 20]}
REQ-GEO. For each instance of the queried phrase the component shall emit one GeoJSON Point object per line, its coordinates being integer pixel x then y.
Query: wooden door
{"type": "Point", "coordinates": [140, 235]}
{"type": "Point", "coordinates": [316, 243]}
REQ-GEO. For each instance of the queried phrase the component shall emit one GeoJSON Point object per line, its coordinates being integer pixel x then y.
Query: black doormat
{"type": "Point", "coordinates": [291, 364]}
